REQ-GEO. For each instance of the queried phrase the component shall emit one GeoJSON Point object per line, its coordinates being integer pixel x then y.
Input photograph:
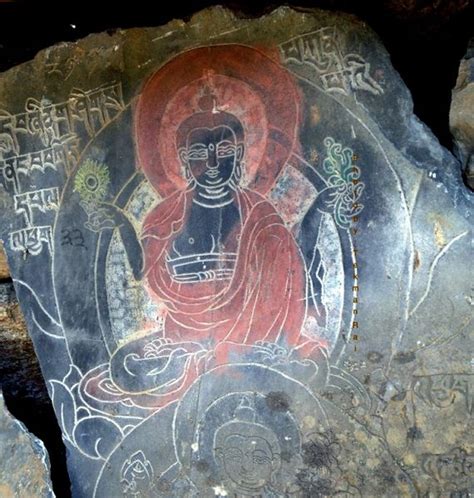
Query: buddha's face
{"type": "Point", "coordinates": [211, 156]}
{"type": "Point", "coordinates": [248, 462]}
{"type": "Point", "coordinates": [137, 475]}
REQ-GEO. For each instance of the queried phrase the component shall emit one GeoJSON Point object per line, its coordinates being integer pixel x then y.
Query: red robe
{"type": "Point", "coordinates": [264, 300]}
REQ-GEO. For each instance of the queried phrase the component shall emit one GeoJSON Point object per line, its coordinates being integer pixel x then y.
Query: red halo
{"type": "Point", "coordinates": [247, 83]}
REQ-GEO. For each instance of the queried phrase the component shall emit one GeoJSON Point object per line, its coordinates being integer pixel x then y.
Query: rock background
{"type": "Point", "coordinates": [24, 472]}
{"type": "Point", "coordinates": [4, 273]}
{"type": "Point", "coordinates": [461, 116]}
{"type": "Point", "coordinates": [435, 33]}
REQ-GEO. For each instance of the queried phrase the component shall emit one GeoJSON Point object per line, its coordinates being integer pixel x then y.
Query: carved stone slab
{"type": "Point", "coordinates": [243, 261]}
{"type": "Point", "coordinates": [461, 119]}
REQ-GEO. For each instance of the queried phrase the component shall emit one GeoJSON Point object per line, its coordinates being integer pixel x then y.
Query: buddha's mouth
{"type": "Point", "coordinates": [212, 173]}
{"type": "Point", "coordinates": [250, 485]}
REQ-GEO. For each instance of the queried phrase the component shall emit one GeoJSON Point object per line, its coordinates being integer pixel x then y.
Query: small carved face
{"type": "Point", "coordinates": [137, 475]}
{"type": "Point", "coordinates": [211, 156]}
{"type": "Point", "coordinates": [248, 461]}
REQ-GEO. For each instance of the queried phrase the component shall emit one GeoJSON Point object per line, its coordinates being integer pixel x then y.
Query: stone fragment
{"type": "Point", "coordinates": [461, 116]}
{"type": "Point", "coordinates": [24, 465]}
{"type": "Point", "coordinates": [242, 261]}
{"type": "Point", "coordinates": [20, 375]}
{"type": "Point", "coordinates": [4, 272]}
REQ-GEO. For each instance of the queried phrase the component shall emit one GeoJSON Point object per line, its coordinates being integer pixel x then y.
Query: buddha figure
{"type": "Point", "coordinates": [220, 261]}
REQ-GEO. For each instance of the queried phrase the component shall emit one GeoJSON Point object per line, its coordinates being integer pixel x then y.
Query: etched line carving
{"type": "Point", "coordinates": [339, 72]}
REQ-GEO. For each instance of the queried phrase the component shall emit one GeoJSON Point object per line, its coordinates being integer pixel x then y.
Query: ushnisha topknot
{"type": "Point", "coordinates": [209, 116]}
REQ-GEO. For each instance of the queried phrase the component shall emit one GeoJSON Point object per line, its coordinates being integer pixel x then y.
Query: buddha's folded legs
{"type": "Point", "coordinates": [152, 363]}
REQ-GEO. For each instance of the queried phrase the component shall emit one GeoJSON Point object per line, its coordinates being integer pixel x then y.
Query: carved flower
{"type": "Point", "coordinates": [92, 181]}
{"type": "Point", "coordinates": [344, 187]}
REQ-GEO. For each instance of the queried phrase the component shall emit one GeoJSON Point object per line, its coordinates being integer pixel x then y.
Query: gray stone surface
{"type": "Point", "coordinates": [20, 375]}
{"type": "Point", "coordinates": [461, 117]}
{"type": "Point", "coordinates": [24, 466]}
{"type": "Point", "coordinates": [242, 261]}
{"type": "Point", "coordinates": [4, 273]}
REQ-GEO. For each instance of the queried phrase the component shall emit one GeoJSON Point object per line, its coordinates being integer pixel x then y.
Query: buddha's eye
{"type": "Point", "coordinates": [233, 454]}
{"type": "Point", "coordinates": [260, 457]}
{"type": "Point", "coordinates": [225, 149]}
{"type": "Point", "coordinates": [197, 153]}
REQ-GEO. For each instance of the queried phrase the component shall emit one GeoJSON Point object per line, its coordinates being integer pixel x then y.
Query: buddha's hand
{"type": "Point", "coordinates": [163, 347]}
{"type": "Point", "coordinates": [103, 216]}
{"type": "Point", "coordinates": [170, 351]}
{"type": "Point", "coordinates": [138, 367]}
{"type": "Point", "coordinates": [271, 353]}
{"type": "Point", "coordinates": [156, 348]}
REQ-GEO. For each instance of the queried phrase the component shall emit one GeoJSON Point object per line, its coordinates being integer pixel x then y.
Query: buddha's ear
{"type": "Point", "coordinates": [276, 461]}
{"type": "Point", "coordinates": [183, 156]}
{"type": "Point", "coordinates": [219, 455]}
{"type": "Point", "coordinates": [239, 151]}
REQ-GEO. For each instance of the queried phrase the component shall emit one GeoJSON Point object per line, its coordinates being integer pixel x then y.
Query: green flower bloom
{"type": "Point", "coordinates": [92, 181]}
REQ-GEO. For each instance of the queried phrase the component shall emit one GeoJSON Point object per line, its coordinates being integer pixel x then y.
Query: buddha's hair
{"type": "Point", "coordinates": [244, 424]}
{"type": "Point", "coordinates": [246, 429]}
{"type": "Point", "coordinates": [208, 116]}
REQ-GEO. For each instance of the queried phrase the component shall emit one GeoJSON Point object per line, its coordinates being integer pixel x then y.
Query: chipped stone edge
{"type": "Point", "coordinates": [36, 442]}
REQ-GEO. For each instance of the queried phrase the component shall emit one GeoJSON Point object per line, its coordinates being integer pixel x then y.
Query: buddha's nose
{"type": "Point", "coordinates": [212, 157]}
{"type": "Point", "coordinates": [246, 465]}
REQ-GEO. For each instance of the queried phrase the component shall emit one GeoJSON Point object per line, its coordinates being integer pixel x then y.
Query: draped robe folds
{"type": "Point", "coordinates": [264, 300]}
{"type": "Point", "coordinates": [210, 323]}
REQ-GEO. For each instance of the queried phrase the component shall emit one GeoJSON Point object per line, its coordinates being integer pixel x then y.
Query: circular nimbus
{"type": "Point", "coordinates": [245, 432]}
